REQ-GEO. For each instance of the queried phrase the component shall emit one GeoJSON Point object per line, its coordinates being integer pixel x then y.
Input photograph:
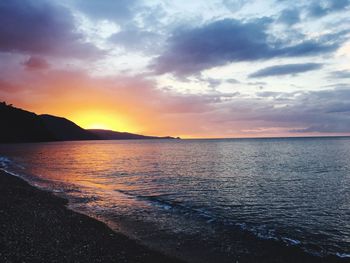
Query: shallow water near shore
{"type": "Point", "coordinates": [203, 199]}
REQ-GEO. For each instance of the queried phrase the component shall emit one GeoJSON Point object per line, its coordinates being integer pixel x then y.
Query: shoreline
{"type": "Point", "coordinates": [36, 226]}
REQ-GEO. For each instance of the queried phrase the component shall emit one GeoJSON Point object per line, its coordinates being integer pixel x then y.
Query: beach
{"type": "Point", "coordinates": [36, 226]}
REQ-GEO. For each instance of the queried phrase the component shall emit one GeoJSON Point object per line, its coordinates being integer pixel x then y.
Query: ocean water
{"type": "Point", "coordinates": [203, 199]}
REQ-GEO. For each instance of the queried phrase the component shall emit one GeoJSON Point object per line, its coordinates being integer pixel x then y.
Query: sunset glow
{"type": "Point", "coordinates": [195, 130]}
{"type": "Point", "coordinates": [102, 120]}
{"type": "Point", "coordinates": [242, 69]}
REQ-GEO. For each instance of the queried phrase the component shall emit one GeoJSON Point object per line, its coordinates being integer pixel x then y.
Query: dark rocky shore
{"type": "Point", "coordinates": [36, 226]}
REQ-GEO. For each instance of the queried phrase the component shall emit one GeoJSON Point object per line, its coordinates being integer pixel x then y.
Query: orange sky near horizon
{"type": "Point", "coordinates": [96, 103]}
{"type": "Point", "coordinates": [133, 105]}
{"type": "Point", "coordinates": [103, 116]}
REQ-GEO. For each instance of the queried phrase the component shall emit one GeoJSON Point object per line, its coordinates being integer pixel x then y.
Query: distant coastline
{"type": "Point", "coordinates": [19, 125]}
{"type": "Point", "coordinates": [272, 138]}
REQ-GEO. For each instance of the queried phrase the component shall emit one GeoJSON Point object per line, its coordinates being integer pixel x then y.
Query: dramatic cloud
{"type": "Point", "coordinates": [181, 67]}
{"type": "Point", "coordinates": [41, 27]}
{"type": "Point", "coordinates": [288, 69]}
{"type": "Point", "coordinates": [192, 50]}
{"type": "Point", "coordinates": [195, 49]}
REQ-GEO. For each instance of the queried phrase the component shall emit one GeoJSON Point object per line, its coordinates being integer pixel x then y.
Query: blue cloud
{"type": "Point", "coordinates": [322, 8]}
{"type": "Point", "coordinates": [289, 16]}
{"type": "Point", "coordinates": [136, 39]}
{"type": "Point", "coordinates": [41, 27]}
{"type": "Point", "coordinates": [288, 69]}
{"type": "Point", "coordinates": [191, 50]}
{"type": "Point", "coordinates": [341, 74]}
{"type": "Point", "coordinates": [116, 10]}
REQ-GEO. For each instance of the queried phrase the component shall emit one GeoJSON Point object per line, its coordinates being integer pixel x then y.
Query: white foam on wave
{"type": "Point", "coordinates": [4, 165]}
{"type": "Point", "coordinates": [4, 161]}
{"type": "Point", "coordinates": [342, 255]}
{"type": "Point", "coordinates": [291, 241]}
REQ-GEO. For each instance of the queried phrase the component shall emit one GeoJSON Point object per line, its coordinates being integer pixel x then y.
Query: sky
{"type": "Point", "coordinates": [194, 69]}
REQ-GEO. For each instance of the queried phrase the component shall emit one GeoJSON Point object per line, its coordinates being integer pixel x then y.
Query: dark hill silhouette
{"type": "Point", "coordinates": [19, 125]}
{"type": "Point", "coordinates": [113, 135]}
{"type": "Point", "coordinates": [66, 130]}
{"type": "Point", "coordinates": [22, 126]}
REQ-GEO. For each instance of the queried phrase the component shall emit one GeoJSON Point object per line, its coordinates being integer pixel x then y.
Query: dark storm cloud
{"type": "Point", "coordinates": [288, 69]}
{"type": "Point", "coordinates": [40, 27]}
{"type": "Point", "coordinates": [191, 50]}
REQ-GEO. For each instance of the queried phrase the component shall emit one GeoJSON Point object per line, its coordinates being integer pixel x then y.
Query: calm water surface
{"type": "Point", "coordinates": [178, 193]}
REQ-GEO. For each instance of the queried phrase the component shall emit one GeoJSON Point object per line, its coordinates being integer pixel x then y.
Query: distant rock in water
{"type": "Point", "coordinates": [19, 125]}
{"type": "Point", "coordinates": [22, 126]}
{"type": "Point", "coordinates": [66, 130]}
{"type": "Point", "coordinates": [113, 135]}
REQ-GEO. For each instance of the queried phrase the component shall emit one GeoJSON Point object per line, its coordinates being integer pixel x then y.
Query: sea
{"type": "Point", "coordinates": [203, 199]}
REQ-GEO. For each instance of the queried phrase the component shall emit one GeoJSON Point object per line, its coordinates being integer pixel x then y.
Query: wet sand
{"type": "Point", "coordinates": [36, 226]}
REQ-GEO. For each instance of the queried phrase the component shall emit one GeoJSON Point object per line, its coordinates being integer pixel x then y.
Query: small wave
{"type": "Point", "coordinates": [159, 201]}
{"type": "Point", "coordinates": [7, 162]}
{"type": "Point", "coordinates": [263, 231]}
{"type": "Point", "coordinates": [4, 162]}
{"type": "Point", "coordinates": [290, 241]}
{"type": "Point", "coordinates": [10, 167]}
{"type": "Point", "coordinates": [9, 172]}
{"type": "Point", "coordinates": [342, 255]}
